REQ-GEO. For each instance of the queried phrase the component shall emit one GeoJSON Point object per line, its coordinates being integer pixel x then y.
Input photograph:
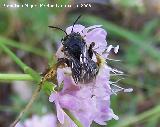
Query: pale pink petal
{"type": "Point", "coordinates": [70, 102]}
{"type": "Point", "coordinates": [48, 120]}
{"type": "Point", "coordinates": [59, 53]}
{"type": "Point", "coordinates": [109, 48]}
{"type": "Point", "coordinates": [86, 30]}
{"type": "Point", "coordinates": [92, 27]}
{"type": "Point", "coordinates": [128, 90]}
{"type": "Point", "coordinates": [85, 92]}
{"type": "Point", "coordinates": [53, 97]}
{"type": "Point", "coordinates": [100, 122]}
{"type": "Point", "coordinates": [116, 49]}
{"type": "Point", "coordinates": [97, 35]}
{"type": "Point", "coordinates": [60, 76]}
{"type": "Point", "coordinates": [60, 113]}
{"type": "Point", "coordinates": [77, 28]}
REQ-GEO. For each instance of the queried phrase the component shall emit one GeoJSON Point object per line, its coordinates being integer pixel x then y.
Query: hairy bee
{"type": "Point", "coordinates": [78, 56]}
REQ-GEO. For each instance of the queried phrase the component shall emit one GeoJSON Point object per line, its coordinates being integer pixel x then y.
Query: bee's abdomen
{"type": "Point", "coordinates": [88, 72]}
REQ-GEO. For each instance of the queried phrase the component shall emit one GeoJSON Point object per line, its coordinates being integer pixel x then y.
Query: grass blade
{"type": "Point", "coordinates": [25, 47]}
{"type": "Point", "coordinates": [135, 119]}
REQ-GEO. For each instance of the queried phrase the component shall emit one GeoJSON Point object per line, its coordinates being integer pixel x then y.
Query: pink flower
{"type": "Point", "coordinates": [47, 120]}
{"type": "Point", "coordinates": [89, 102]}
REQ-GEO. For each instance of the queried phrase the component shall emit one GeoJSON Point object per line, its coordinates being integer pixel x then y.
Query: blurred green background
{"type": "Point", "coordinates": [132, 24]}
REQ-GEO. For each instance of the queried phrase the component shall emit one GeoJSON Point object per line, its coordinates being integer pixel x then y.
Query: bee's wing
{"type": "Point", "coordinates": [75, 68]}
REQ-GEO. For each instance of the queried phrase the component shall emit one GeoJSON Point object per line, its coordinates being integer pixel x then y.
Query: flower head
{"type": "Point", "coordinates": [89, 102]}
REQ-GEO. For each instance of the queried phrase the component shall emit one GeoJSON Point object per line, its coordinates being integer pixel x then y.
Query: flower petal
{"type": "Point", "coordinates": [60, 76]}
{"type": "Point", "coordinates": [53, 97]}
{"type": "Point", "coordinates": [97, 35]}
{"type": "Point", "coordinates": [77, 28]}
{"type": "Point", "coordinates": [59, 53]}
{"type": "Point", "coordinates": [86, 30]}
{"type": "Point", "coordinates": [70, 102]}
{"type": "Point", "coordinates": [116, 49]}
{"type": "Point", "coordinates": [60, 113]}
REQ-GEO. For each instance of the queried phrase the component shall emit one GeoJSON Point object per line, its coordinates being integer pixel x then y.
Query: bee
{"type": "Point", "coordinates": [77, 56]}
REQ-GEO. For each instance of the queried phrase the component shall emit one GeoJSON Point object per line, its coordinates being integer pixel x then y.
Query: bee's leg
{"type": "Point", "coordinates": [90, 50]}
{"type": "Point", "coordinates": [50, 74]}
{"type": "Point", "coordinates": [63, 61]}
{"type": "Point", "coordinates": [45, 71]}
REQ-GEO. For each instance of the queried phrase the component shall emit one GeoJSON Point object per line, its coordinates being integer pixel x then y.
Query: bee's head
{"type": "Point", "coordinates": [72, 42]}
{"type": "Point", "coordinates": [73, 45]}
{"type": "Point", "coordinates": [72, 34]}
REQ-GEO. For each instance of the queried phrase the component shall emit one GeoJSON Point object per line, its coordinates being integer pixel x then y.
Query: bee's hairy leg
{"type": "Point", "coordinates": [90, 50]}
{"type": "Point", "coordinates": [50, 75]}
{"type": "Point", "coordinates": [63, 61]}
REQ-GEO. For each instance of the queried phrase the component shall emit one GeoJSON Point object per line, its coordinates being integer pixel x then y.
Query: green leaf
{"type": "Point", "coordinates": [48, 87]}
{"type": "Point", "coordinates": [150, 26]}
{"type": "Point", "coordinates": [132, 56]}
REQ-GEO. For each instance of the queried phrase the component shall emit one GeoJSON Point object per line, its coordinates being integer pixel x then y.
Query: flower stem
{"type": "Point", "coordinates": [28, 106]}
{"type": "Point", "coordinates": [73, 118]}
{"type": "Point", "coordinates": [15, 77]}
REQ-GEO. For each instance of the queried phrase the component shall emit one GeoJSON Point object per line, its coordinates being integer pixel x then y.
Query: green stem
{"type": "Point", "coordinates": [13, 56]}
{"type": "Point", "coordinates": [23, 66]}
{"type": "Point", "coordinates": [133, 120]}
{"type": "Point", "coordinates": [25, 47]}
{"type": "Point", "coordinates": [15, 77]}
{"type": "Point", "coordinates": [28, 106]}
{"type": "Point", "coordinates": [73, 118]}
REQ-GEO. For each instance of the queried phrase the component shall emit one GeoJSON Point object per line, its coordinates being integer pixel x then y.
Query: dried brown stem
{"type": "Point", "coordinates": [27, 107]}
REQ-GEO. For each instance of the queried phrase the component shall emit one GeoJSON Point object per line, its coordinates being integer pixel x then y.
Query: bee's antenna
{"type": "Point", "coordinates": [58, 29]}
{"type": "Point", "coordinates": [75, 22]}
